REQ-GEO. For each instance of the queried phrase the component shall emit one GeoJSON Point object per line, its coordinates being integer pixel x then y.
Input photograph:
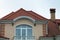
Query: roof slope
{"type": "Point", "coordinates": [52, 25]}
{"type": "Point", "coordinates": [22, 12]}
{"type": "Point", "coordinates": [53, 28]}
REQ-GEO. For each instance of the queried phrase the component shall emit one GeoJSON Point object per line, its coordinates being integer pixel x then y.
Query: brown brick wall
{"type": "Point", "coordinates": [2, 28]}
{"type": "Point", "coordinates": [44, 29]}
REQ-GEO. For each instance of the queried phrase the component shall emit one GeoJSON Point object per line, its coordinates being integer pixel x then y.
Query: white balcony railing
{"type": "Point", "coordinates": [24, 38]}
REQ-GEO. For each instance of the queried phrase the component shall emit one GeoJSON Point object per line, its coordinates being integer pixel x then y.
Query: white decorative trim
{"type": "Point", "coordinates": [46, 28]}
{"type": "Point", "coordinates": [25, 17]}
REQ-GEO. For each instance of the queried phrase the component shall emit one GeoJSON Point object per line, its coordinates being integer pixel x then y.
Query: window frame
{"type": "Point", "coordinates": [26, 28]}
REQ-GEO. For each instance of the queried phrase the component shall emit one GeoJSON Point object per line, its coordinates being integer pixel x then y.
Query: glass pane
{"type": "Point", "coordinates": [29, 27]}
{"type": "Point", "coordinates": [29, 32]}
{"type": "Point", "coordinates": [18, 27]}
{"type": "Point", "coordinates": [23, 32]}
{"type": "Point", "coordinates": [23, 26]}
{"type": "Point", "coordinates": [18, 32]}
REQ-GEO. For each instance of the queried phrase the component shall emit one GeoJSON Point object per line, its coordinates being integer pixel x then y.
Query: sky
{"type": "Point", "coordinates": [41, 7]}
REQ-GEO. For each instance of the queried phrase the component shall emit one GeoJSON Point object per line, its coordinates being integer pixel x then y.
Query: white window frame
{"type": "Point", "coordinates": [22, 29]}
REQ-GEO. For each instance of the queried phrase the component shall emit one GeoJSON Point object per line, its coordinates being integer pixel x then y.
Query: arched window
{"type": "Point", "coordinates": [23, 30]}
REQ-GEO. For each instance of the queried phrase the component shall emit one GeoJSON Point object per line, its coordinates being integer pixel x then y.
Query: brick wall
{"type": "Point", "coordinates": [2, 28]}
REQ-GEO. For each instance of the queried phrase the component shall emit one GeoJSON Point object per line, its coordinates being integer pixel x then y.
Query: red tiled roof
{"type": "Point", "coordinates": [57, 20]}
{"type": "Point", "coordinates": [53, 28]}
{"type": "Point", "coordinates": [23, 12]}
{"type": "Point", "coordinates": [52, 25]}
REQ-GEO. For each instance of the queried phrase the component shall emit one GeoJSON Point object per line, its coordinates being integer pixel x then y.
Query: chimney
{"type": "Point", "coordinates": [52, 11]}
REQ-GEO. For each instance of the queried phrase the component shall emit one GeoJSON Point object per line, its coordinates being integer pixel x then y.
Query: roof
{"type": "Point", "coordinates": [53, 28]}
{"type": "Point", "coordinates": [22, 12]}
{"type": "Point", "coordinates": [52, 25]}
{"type": "Point", "coordinates": [57, 21]}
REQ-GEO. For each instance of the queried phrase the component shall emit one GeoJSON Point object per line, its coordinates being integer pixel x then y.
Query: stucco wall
{"type": "Point", "coordinates": [38, 31]}
{"type": "Point", "coordinates": [10, 30]}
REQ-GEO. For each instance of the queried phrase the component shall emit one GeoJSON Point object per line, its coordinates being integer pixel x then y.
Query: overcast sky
{"type": "Point", "coordinates": [39, 6]}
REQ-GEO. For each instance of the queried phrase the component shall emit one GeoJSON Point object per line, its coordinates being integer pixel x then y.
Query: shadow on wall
{"type": "Point", "coordinates": [3, 38]}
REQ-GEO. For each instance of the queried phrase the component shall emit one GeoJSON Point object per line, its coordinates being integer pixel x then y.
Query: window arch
{"type": "Point", "coordinates": [23, 30]}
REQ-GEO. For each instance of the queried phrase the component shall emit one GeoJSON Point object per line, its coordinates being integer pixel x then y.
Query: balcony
{"type": "Point", "coordinates": [24, 38]}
